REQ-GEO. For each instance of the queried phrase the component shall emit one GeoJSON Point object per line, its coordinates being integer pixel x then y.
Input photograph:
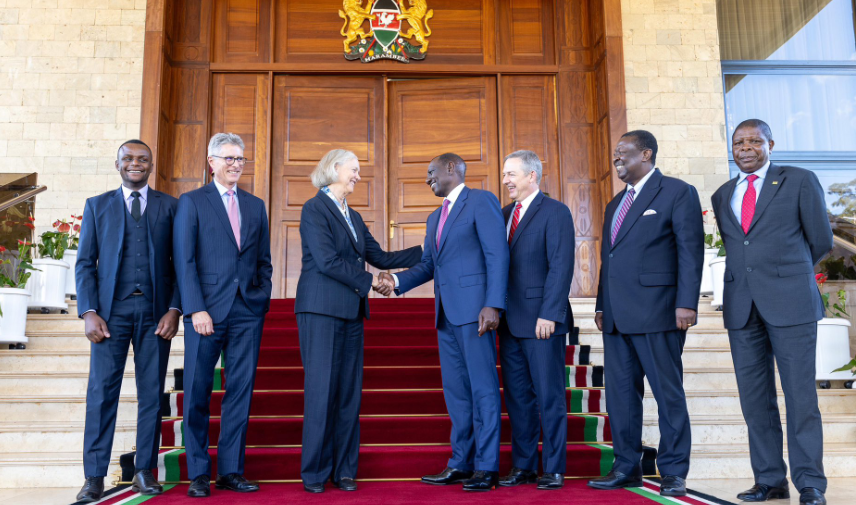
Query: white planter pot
{"type": "Point", "coordinates": [13, 322]}
{"type": "Point", "coordinates": [47, 286]}
{"type": "Point", "coordinates": [70, 257]}
{"type": "Point", "coordinates": [706, 278]}
{"type": "Point", "coordinates": [717, 277]}
{"type": "Point", "coordinates": [833, 348]}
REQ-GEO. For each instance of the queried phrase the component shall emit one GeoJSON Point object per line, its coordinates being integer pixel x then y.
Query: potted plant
{"type": "Point", "coordinates": [15, 271]}
{"type": "Point", "coordinates": [70, 255]}
{"type": "Point", "coordinates": [715, 260]}
{"type": "Point", "coordinates": [713, 246]}
{"type": "Point", "coordinates": [47, 285]}
{"type": "Point", "coordinates": [833, 336]}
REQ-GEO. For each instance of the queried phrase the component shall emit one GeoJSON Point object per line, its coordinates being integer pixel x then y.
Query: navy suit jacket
{"type": "Point", "coordinates": [772, 266]}
{"type": "Point", "coordinates": [470, 270]}
{"type": "Point", "coordinates": [333, 279]}
{"type": "Point", "coordinates": [99, 252]}
{"type": "Point", "coordinates": [655, 265]}
{"type": "Point", "coordinates": [210, 268]}
{"type": "Point", "coordinates": [541, 267]}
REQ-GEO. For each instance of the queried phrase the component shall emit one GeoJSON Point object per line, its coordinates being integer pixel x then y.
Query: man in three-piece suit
{"type": "Point", "coordinates": [222, 256]}
{"type": "Point", "coordinates": [774, 226]}
{"type": "Point", "coordinates": [647, 298]}
{"type": "Point", "coordinates": [466, 255]}
{"type": "Point", "coordinates": [532, 331]}
{"type": "Point", "coordinates": [126, 295]}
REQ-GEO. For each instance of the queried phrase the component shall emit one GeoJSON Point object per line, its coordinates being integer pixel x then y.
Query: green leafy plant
{"type": "Point", "coordinates": [52, 244]}
{"type": "Point", "coordinates": [72, 229]}
{"type": "Point", "coordinates": [849, 366]}
{"type": "Point", "coordinates": [834, 309]}
{"type": "Point", "coordinates": [713, 240]}
{"type": "Point", "coordinates": [15, 269]}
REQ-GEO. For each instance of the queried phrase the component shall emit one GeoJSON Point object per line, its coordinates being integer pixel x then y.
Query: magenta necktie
{"type": "Point", "coordinates": [233, 218]}
{"type": "Point", "coordinates": [622, 213]}
{"type": "Point", "coordinates": [444, 214]}
{"type": "Point", "coordinates": [748, 211]}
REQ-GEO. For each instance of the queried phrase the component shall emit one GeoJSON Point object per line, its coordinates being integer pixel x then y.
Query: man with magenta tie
{"type": "Point", "coordinates": [650, 278]}
{"type": "Point", "coordinates": [222, 256]}
{"type": "Point", "coordinates": [775, 228]}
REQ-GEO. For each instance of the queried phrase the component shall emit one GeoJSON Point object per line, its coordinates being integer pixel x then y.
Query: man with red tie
{"type": "Point", "coordinates": [774, 226]}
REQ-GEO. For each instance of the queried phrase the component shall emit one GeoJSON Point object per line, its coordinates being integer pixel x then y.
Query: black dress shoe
{"type": "Point", "coordinates": [518, 476]}
{"type": "Point", "coordinates": [236, 482]}
{"type": "Point", "coordinates": [447, 476]}
{"type": "Point", "coordinates": [92, 490]}
{"type": "Point", "coordinates": [673, 485]}
{"type": "Point", "coordinates": [200, 487]}
{"type": "Point", "coordinates": [763, 492]}
{"type": "Point", "coordinates": [811, 496]}
{"type": "Point", "coordinates": [615, 480]}
{"type": "Point", "coordinates": [346, 484]}
{"type": "Point", "coordinates": [146, 484]}
{"type": "Point", "coordinates": [551, 481]}
{"type": "Point", "coordinates": [313, 488]}
{"type": "Point", "coordinates": [482, 481]}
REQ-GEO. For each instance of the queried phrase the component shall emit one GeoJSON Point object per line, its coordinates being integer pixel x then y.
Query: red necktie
{"type": "Point", "coordinates": [749, 198]}
{"type": "Point", "coordinates": [514, 221]}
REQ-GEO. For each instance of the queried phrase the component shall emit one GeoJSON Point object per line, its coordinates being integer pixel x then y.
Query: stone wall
{"type": "Point", "coordinates": [70, 81]}
{"type": "Point", "coordinates": [674, 87]}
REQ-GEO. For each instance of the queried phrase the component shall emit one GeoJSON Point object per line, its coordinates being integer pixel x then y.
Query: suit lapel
{"type": "Point", "coordinates": [338, 216]}
{"type": "Point", "coordinates": [456, 211]}
{"type": "Point", "coordinates": [118, 209]}
{"type": "Point", "coordinates": [153, 206]}
{"type": "Point", "coordinates": [772, 182]}
{"type": "Point", "coordinates": [216, 202]}
{"type": "Point", "coordinates": [607, 218]}
{"type": "Point", "coordinates": [652, 187]}
{"type": "Point", "coordinates": [244, 204]}
{"type": "Point", "coordinates": [530, 212]}
{"type": "Point", "coordinates": [726, 205]}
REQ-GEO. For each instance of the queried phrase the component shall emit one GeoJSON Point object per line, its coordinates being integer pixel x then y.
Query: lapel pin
{"type": "Point", "coordinates": [775, 182]}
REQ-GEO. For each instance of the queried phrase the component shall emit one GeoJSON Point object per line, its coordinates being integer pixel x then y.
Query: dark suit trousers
{"type": "Point", "coordinates": [753, 348]}
{"type": "Point", "coordinates": [471, 390]}
{"type": "Point", "coordinates": [628, 359]}
{"type": "Point", "coordinates": [331, 350]}
{"type": "Point", "coordinates": [533, 377]}
{"type": "Point", "coordinates": [131, 323]}
{"type": "Point", "coordinates": [238, 337]}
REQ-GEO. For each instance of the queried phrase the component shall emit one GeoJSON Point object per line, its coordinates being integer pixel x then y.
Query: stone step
{"type": "Point", "coordinates": [50, 383]}
{"type": "Point", "coordinates": [731, 461]}
{"type": "Point", "coordinates": [693, 357]}
{"type": "Point", "coordinates": [54, 469]}
{"type": "Point", "coordinates": [63, 360]}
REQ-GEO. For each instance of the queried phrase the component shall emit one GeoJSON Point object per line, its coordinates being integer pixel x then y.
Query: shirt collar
{"type": "Point", "coordinates": [638, 186]}
{"type": "Point", "coordinates": [524, 205]}
{"type": "Point", "coordinates": [761, 173]}
{"type": "Point", "coordinates": [455, 193]}
{"type": "Point", "coordinates": [343, 205]}
{"type": "Point", "coordinates": [144, 192]}
{"type": "Point", "coordinates": [222, 189]}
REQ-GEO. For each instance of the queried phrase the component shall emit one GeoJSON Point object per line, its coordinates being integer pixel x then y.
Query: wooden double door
{"type": "Point", "coordinates": [395, 127]}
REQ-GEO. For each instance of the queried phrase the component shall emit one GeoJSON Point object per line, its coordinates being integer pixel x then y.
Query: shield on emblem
{"type": "Point", "coordinates": [386, 24]}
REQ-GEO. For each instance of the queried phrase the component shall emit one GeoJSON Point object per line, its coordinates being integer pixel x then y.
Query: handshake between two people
{"type": "Point", "coordinates": [384, 283]}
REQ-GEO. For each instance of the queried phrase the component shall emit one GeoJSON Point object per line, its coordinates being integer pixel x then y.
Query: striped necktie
{"type": "Point", "coordinates": [622, 213]}
{"type": "Point", "coordinates": [514, 220]}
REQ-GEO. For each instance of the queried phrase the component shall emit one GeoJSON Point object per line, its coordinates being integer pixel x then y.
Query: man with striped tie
{"type": "Point", "coordinates": [650, 276]}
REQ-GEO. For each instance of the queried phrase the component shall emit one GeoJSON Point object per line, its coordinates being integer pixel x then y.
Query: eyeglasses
{"type": "Point", "coordinates": [230, 160]}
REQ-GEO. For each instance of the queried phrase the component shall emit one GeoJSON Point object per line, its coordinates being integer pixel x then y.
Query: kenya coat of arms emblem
{"type": "Point", "coordinates": [385, 39]}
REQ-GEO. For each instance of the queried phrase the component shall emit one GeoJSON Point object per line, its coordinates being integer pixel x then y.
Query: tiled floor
{"type": "Point", "coordinates": [841, 492]}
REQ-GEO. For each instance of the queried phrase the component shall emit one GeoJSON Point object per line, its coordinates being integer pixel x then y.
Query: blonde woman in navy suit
{"type": "Point", "coordinates": [332, 300]}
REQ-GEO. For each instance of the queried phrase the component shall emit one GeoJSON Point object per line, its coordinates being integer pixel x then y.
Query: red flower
{"type": "Point", "coordinates": [821, 278]}
{"type": "Point", "coordinates": [31, 218]}
{"type": "Point", "coordinates": [21, 242]}
{"type": "Point", "coordinates": [64, 227]}
{"type": "Point", "coordinates": [30, 226]}
{"type": "Point", "coordinates": [2, 249]}
{"type": "Point", "coordinates": [56, 223]}
{"type": "Point", "coordinates": [704, 213]}
{"type": "Point", "coordinates": [77, 227]}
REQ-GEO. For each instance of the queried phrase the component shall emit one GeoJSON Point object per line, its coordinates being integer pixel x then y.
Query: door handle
{"type": "Point", "coordinates": [392, 227]}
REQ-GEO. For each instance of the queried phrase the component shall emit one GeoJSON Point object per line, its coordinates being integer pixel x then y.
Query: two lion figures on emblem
{"type": "Point", "coordinates": [385, 38]}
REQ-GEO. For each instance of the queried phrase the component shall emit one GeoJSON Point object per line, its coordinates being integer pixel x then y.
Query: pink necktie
{"type": "Point", "coordinates": [444, 214]}
{"type": "Point", "coordinates": [233, 218]}
{"type": "Point", "coordinates": [748, 210]}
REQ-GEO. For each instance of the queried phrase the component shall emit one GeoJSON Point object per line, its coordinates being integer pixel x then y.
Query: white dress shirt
{"type": "Point", "coordinates": [524, 205]}
{"type": "Point", "coordinates": [144, 197]}
{"type": "Point", "coordinates": [743, 185]}
{"type": "Point", "coordinates": [223, 196]}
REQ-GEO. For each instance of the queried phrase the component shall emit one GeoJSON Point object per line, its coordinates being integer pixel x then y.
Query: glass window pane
{"type": "Point", "coordinates": [787, 29]}
{"type": "Point", "coordinates": [805, 112]}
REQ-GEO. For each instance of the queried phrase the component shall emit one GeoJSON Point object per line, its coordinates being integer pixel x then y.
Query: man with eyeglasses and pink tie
{"type": "Point", "coordinates": [223, 264]}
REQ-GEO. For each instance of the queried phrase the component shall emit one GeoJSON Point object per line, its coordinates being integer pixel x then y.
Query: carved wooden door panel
{"type": "Point", "coordinates": [429, 117]}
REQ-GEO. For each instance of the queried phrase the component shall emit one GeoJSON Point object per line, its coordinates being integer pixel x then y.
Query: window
{"type": "Point", "coordinates": [792, 63]}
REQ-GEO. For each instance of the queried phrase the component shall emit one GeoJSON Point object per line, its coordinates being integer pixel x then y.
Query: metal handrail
{"type": "Point", "coordinates": [22, 197]}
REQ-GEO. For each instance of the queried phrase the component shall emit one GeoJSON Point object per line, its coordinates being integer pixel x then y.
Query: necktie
{"type": "Point", "coordinates": [444, 214]}
{"type": "Point", "coordinates": [622, 213]}
{"type": "Point", "coordinates": [136, 213]}
{"type": "Point", "coordinates": [233, 218]}
{"type": "Point", "coordinates": [749, 198]}
{"type": "Point", "coordinates": [514, 220]}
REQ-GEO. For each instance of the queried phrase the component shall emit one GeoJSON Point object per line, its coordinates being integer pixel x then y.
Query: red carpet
{"type": "Point", "coordinates": [404, 424]}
